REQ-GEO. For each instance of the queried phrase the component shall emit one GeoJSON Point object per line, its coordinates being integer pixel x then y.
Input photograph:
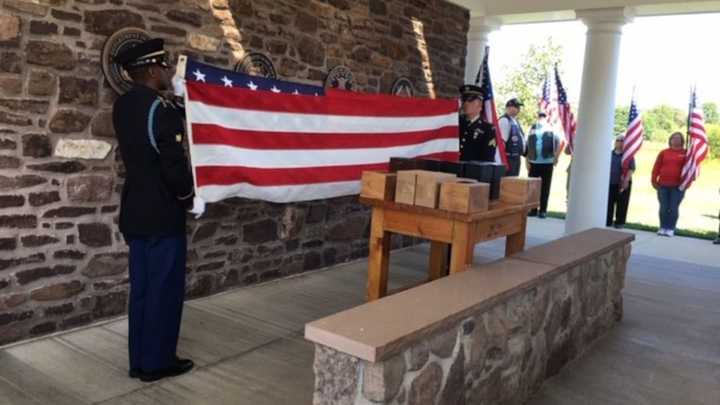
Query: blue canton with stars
{"type": "Point", "coordinates": [202, 73]}
{"type": "Point", "coordinates": [632, 116]}
{"type": "Point", "coordinates": [562, 94]}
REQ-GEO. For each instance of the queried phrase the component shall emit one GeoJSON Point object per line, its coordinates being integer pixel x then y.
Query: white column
{"type": "Point", "coordinates": [480, 29]}
{"type": "Point", "coordinates": [590, 172]}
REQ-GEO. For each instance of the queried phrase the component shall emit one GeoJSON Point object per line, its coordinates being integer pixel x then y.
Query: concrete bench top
{"type": "Point", "coordinates": [377, 330]}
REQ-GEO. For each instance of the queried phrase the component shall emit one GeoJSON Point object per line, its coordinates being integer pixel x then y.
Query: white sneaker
{"type": "Point", "coordinates": [662, 232]}
{"type": "Point", "coordinates": [669, 232]}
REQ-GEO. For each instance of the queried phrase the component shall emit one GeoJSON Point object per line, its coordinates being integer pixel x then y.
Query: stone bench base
{"type": "Point", "coordinates": [496, 351]}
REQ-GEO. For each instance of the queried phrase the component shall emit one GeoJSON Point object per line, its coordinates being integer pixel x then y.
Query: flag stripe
{"type": "Point", "coordinates": [343, 103]}
{"type": "Point", "coordinates": [223, 155]}
{"type": "Point", "coordinates": [280, 194]}
{"type": "Point", "coordinates": [227, 175]}
{"type": "Point", "coordinates": [270, 121]}
{"type": "Point", "coordinates": [206, 134]}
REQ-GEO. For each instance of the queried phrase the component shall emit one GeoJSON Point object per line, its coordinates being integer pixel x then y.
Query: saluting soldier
{"type": "Point", "coordinates": [158, 190]}
{"type": "Point", "coordinates": [477, 138]}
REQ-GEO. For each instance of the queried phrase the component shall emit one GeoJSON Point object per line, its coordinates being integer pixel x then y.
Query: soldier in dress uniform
{"type": "Point", "coordinates": [513, 135]}
{"type": "Point", "coordinates": [477, 138]}
{"type": "Point", "coordinates": [158, 190]}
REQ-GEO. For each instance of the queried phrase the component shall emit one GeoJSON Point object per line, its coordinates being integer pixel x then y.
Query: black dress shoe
{"type": "Point", "coordinates": [542, 215]}
{"type": "Point", "coordinates": [181, 366]}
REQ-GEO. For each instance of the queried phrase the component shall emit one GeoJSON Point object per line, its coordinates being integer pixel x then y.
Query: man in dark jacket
{"type": "Point", "coordinates": [513, 135]}
{"type": "Point", "coordinates": [158, 190]}
{"type": "Point", "coordinates": [477, 138]}
{"type": "Point", "coordinates": [543, 150]}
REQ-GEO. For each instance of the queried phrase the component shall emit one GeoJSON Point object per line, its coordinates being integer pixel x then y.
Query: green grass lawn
{"type": "Point", "coordinates": [698, 211]}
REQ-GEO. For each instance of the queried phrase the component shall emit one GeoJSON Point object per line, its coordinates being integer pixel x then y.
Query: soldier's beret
{"type": "Point", "coordinates": [150, 52]}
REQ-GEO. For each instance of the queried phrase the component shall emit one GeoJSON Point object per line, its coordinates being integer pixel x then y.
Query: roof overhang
{"type": "Point", "coordinates": [534, 11]}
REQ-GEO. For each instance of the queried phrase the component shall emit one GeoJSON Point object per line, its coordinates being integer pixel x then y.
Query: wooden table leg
{"type": "Point", "coordinates": [515, 243]}
{"type": "Point", "coordinates": [379, 256]}
{"type": "Point", "coordinates": [462, 248]}
{"type": "Point", "coordinates": [438, 260]}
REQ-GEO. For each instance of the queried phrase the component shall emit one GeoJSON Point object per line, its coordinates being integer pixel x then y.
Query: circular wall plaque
{"type": "Point", "coordinates": [256, 64]}
{"type": "Point", "coordinates": [117, 42]}
{"type": "Point", "coordinates": [340, 77]}
{"type": "Point", "coordinates": [403, 87]}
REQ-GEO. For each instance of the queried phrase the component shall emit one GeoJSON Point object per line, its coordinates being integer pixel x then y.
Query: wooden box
{"type": "Point", "coordinates": [515, 190]}
{"type": "Point", "coordinates": [427, 188]}
{"type": "Point", "coordinates": [398, 163]}
{"type": "Point", "coordinates": [437, 165]}
{"type": "Point", "coordinates": [486, 172]}
{"type": "Point", "coordinates": [378, 185]}
{"type": "Point", "coordinates": [465, 196]}
{"type": "Point", "coordinates": [405, 186]}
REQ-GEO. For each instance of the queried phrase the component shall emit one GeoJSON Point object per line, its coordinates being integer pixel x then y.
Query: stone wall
{"type": "Point", "coordinates": [62, 262]}
{"type": "Point", "coordinates": [499, 356]}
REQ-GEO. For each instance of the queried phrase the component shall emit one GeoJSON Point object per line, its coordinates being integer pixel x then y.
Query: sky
{"type": "Point", "coordinates": [662, 57]}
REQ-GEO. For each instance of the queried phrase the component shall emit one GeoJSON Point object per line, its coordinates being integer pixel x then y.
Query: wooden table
{"type": "Point", "coordinates": [442, 228]}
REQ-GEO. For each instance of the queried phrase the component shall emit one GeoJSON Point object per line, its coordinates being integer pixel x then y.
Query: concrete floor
{"type": "Point", "coordinates": [249, 348]}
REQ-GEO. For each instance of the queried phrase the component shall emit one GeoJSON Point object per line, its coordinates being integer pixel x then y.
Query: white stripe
{"type": "Point", "coordinates": [223, 155]}
{"type": "Point", "coordinates": [631, 151]}
{"type": "Point", "coordinates": [280, 194]}
{"type": "Point", "coordinates": [271, 121]}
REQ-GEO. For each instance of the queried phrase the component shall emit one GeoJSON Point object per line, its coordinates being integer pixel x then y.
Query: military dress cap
{"type": "Point", "coordinates": [150, 52]}
{"type": "Point", "coordinates": [513, 102]}
{"type": "Point", "coordinates": [470, 92]}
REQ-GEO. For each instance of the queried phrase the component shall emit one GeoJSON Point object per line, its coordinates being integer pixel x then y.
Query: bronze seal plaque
{"type": "Point", "coordinates": [256, 64]}
{"type": "Point", "coordinates": [120, 40]}
{"type": "Point", "coordinates": [340, 77]}
{"type": "Point", "coordinates": [403, 87]}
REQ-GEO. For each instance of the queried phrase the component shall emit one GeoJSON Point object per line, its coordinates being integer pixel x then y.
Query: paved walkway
{"type": "Point", "coordinates": [249, 348]}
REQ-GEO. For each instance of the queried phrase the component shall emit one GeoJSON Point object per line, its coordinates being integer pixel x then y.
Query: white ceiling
{"type": "Point", "coordinates": [518, 11]}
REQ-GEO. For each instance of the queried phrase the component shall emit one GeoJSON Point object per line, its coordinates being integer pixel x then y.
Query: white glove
{"type": "Point", "coordinates": [178, 83]}
{"type": "Point", "coordinates": [198, 207]}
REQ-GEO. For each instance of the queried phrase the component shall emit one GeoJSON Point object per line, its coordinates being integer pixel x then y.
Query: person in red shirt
{"type": "Point", "coordinates": [666, 179]}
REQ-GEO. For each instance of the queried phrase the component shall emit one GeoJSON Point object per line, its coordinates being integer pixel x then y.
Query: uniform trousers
{"type": "Point", "coordinates": [157, 291]}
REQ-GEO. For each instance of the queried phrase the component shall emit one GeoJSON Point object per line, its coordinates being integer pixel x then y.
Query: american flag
{"type": "Point", "coordinates": [489, 114]}
{"type": "Point", "coordinates": [697, 145]}
{"type": "Point", "coordinates": [280, 141]}
{"type": "Point", "coordinates": [633, 136]}
{"type": "Point", "coordinates": [565, 114]}
{"type": "Point", "coordinates": [548, 103]}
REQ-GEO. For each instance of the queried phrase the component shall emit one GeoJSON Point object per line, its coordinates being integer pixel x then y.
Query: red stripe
{"type": "Point", "coordinates": [229, 175]}
{"type": "Point", "coordinates": [217, 135]}
{"type": "Point", "coordinates": [350, 104]}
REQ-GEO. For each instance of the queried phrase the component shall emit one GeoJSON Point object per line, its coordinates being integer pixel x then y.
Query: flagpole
{"type": "Point", "coordinates": [181, 72]}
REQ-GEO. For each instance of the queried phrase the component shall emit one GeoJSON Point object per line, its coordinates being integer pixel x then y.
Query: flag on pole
{"type": "Point", "coordinates": [548, 103]}
{"type": "Point", "coordinates": [280, 141]}
{"type": "Point", "coordinates": [634, 136]}
{"type": "Point", "coordinates": [697, 143]}
{"type": "Point", "coordinates": [489, 114]}
{"type": "Point", "coordinates": [565, 114]}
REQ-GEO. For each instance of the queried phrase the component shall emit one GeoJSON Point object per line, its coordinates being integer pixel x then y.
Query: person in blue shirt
{"type": "Point", "coordinates": [620, 186]}
{"type": "Point", "coordinates": [543, 151]}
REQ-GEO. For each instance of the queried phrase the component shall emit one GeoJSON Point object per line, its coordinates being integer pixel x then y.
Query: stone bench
{"type": "Point", "coordinates": [490, 335]}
